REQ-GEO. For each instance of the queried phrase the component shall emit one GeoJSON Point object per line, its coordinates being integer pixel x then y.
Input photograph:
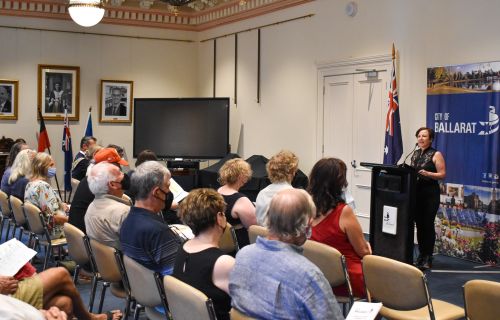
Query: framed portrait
{"type": "Point", "coordinates": [8, 99]}
{"type": "Point", "coordinates": [116, 101]}
{"type": "Point", "coordinates": [59, 89]}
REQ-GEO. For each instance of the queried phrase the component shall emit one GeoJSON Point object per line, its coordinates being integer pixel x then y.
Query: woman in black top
{"type": "Point", "coordinates": [240, 211]}
{"type": "Point", "coordinates": [199, 262]}
{"type": "Point", "coordinates": [431, 167]}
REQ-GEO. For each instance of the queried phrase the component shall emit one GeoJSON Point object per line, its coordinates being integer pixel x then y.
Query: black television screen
{"type": "Point", "coordinates": [188, 128]}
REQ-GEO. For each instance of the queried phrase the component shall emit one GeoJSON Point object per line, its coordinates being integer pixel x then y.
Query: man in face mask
{"type": "Point", "coordinates": [144, 236]}
{"type": "Point", "coordinates": [104, 216]}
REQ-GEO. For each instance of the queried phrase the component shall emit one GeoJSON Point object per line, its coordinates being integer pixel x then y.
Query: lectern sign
{"type": "Point", "coordinates": [390, 220]}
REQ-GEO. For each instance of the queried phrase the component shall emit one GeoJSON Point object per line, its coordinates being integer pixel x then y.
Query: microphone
{"type": "Point", "coordinates": [409, 154]}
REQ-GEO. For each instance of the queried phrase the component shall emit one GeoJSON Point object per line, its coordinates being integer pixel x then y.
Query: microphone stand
{"type": "Point", "coordinates": [409, 154]}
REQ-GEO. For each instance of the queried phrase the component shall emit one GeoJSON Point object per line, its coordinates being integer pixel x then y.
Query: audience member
{"type": "Point", "coordinates": [106, 213]}
{"type": "Point", "coordinates": [21, 170]}
{"type": "Point", "coordinates": [144, 236]}
{"type": "Point", "coordinates": [14, 150]}
{"type": "Point", "coordinates": [90, 156]}
{"type": "Point", "coordinates": [281, 169]}
{"type": "Point", "coordinates": [13, 309]}
{"type": "Point", "coordinates": [52, 287]}
{"type": "Point", "coordinates": [335, 223]}
{"type": "Point", "coordinates": [40, 193]}
{"type": "Point", "coordinates": [271, 279]}
{"type": "Point", "coordinates": [83, 196]}
{"type": "Point", "coordinates": [199, 262]}
{"type": "Point", "coordinates": [240, 211]}
{"type": "Point", "coordinates": [81, 162]}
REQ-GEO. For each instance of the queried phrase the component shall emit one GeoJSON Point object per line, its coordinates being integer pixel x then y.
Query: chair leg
{"type": "Point", "coordinates": [93, 290]}
{"type": "Point", "coordinates": [21, 231]}
{"type": "Point", "coordinates": [8, 230]}
{"type": "Point", "coordinates": [138, 309]}
{"type": "Point", "coordinates": [48, 253]}
{"type": "Point", "coordinates": [76, 273]}
{"type": "Point", "coordinates": [105, 285]}
{"type": "Point", "coordinates": [128, 302]}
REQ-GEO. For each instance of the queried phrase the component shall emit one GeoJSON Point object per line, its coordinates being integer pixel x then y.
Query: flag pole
{"type": "Point", "coordinates": [48, 148]}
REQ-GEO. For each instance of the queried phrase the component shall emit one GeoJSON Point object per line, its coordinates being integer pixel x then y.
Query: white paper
{"type": "Point", "coordinates": [13, 256]}
{"type": "Point", "coordinates": [390, 220]}
{"type": "Point", "coordinates": [177, 190]}
{"type": "Point", "coordinates": [364, 311]}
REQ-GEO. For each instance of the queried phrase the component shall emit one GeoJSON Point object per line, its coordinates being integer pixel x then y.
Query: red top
{"type": "Point", "coordinates": [328, 232]}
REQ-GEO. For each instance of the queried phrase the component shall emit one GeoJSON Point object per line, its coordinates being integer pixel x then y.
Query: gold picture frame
{"type": "Point", "coordinates": [9, 93]}
{"type": "Point", "coordinates": [59, 88]}
{"type": "Point", "coordinates": [116, 101]}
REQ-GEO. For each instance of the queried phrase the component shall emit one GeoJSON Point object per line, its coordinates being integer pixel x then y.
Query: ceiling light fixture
{"type": "Point", "coordinates": [86, 13]}
{"type": "Point", "coordinates": [177, 3]}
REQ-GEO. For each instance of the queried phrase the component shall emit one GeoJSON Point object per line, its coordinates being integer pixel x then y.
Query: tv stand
{"type": "Point", "coordinates": [185, 172]}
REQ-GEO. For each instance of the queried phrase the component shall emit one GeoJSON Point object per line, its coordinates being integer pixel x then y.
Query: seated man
{"type": "Point", "coordinates": [144, 236]}
{"type": "Point", "coordinates": [83, 196]}
{"type": "Point", "coordinates": [271, 279]}
{"type": "Point", "coordinates": [52, 287]}
{"type": "Point", "coordinates": [106, 213]}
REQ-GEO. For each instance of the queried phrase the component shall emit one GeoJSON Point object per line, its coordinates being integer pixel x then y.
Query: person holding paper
{"type": "Point", "coordinates": [430, 165]}
{"type": "Point", "coordinates": [336, 224]}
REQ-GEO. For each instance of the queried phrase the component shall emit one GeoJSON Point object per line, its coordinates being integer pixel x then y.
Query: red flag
{"type": "Point", "coordinates": [43, 138]}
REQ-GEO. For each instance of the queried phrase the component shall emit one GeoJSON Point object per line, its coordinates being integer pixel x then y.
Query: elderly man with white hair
{"type": "Point", "coordinates": [104, 216]}
{"type": "Point", "coordinates": [271, 279]}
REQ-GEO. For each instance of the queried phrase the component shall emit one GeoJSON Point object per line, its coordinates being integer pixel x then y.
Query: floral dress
{"type": "Point", "coordinates": [42, 195]}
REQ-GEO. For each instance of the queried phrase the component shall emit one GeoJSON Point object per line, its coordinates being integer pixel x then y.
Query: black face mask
{"type": "Point", "coordinates": [125, 182]}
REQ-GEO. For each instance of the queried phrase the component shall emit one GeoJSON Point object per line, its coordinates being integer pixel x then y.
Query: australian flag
{"type": "Point", "coordinates": [68, 152]}
{"type": "Point", "coordinates": [393, 147]}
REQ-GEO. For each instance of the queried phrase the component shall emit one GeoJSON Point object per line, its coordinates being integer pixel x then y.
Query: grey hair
{"type": "Point", "coordinates": [22, 165]}
{"type": "Point", "coordinates": [289, 213]}
{"type": "Point", "coordinates": [99, 177]}
{"type": "Point", "coordinates": [146, 177]}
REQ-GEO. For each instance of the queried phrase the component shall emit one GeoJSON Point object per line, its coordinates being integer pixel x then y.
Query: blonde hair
{"type": "Point", "coordinates": [22, 165]}
{"type": "Point", "coordinates": [233, 169]}
{"type": "Point", "coordinates": [40, 165]}
{"type": "Point", "coordinates": [200, 208]}
{"type": "Point", "coordinates": [282, 166]}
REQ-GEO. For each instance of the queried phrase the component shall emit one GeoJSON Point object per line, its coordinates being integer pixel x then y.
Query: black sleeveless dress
{"type": "Point", "coordinates": [196, 269]}
{"type": "Point", "coordinates": [427, 199]}
{"type": "Point", "coordinates": [241, 233]}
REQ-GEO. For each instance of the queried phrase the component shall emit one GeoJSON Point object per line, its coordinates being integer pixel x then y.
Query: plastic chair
{"type": "Point", "coordinates": [228, 242]}
{"type": "Point", "coordinates": [254, 231]}
{"type": "Point", "coordinates": [403, 291]}
{"type": "Point", "coordinates": [147, 288]}
{"type": "Point", "coordinates": [107, 260]}
{"type": "Point", "coordinates": [16, 206]}
{"type": "Point", "coordinates": [481, 299]}
{"type": "Point", "coordinates": [333, 265]}
{"type": "Point", "coordinates": [6, 214]}
{"type": "Point", "coordinates": [186, 302]}
{"type": "Point", "coordinates": [79, 250]}
{"type": "Point", "coordinates": [237, 315]}
{"type": "Point", "coordinates": [40, 231]}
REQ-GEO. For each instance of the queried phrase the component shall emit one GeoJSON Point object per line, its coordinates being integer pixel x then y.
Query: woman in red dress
{"type": "Point", "coordinates": [336, 224]}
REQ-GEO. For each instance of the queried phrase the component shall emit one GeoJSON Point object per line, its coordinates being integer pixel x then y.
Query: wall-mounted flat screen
{"type": "Point", "coordinates": [187, 128]}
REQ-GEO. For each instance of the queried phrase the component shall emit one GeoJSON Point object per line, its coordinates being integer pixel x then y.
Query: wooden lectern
{"type": "Point", "coordinates": [392, 210]}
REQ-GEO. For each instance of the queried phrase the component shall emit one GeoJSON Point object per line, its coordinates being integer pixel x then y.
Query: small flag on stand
{"type": "Point", "coordinates": [393, 147]}
{"type": "Point", "coordinates": [43, 137]}
{"type": "Point", "coordinates": [88, 129]}
{"type": "Point", "coordinates": [68, 152]}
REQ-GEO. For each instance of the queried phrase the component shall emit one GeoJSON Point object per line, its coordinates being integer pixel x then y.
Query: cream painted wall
{"type": "Point", "coordinates": [426, 33]}
{"type": "Point", "coordinates": [158, 69]}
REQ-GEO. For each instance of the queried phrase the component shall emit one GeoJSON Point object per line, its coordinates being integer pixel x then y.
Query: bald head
{"type": "Point", "coordinates": [289, 214]}
{"type": "Point", "coordinates": [100, 177]}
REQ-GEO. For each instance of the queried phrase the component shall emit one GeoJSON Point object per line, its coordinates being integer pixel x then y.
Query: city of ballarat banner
{"type": "Point", "coordinates": [463, 104]}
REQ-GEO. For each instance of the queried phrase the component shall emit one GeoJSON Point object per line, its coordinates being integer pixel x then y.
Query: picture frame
{"type": "Point", "coordinates": [116, 101]}
{"type": "Point", "coordinates": [9, 92]}
{"type": "Point", "coordinates": [58, 88]}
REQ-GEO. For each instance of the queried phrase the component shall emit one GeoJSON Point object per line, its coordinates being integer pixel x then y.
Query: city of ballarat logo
{"type": "Point", "coordinates": [490, 126]}
{"type": "Point", "coordinates": [482, 128]}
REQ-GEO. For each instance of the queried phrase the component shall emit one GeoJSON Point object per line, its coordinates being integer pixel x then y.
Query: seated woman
{"type": "Point", "coordinates": [41, 194]}
{"type": "Point", "coordinates": [335, 223]}
{"type": "Point", "coordinates": [14, 150]}
{"type": "Point", "coordinates": [240, 211]}
{"type": "Point", "coordinates": [199, 262]}
{"type": "Point", "coordinates": [271, 279]}
{"type": "Point", "coordinates": [21, 170]}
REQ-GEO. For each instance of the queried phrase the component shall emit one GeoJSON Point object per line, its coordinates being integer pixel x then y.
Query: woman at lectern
{"type": "Point", "coordinates": [240, 211]}
{"type": "Point", "coordinates": [336, 224]}
{"type": "Point", "coordinates": [431, 167]}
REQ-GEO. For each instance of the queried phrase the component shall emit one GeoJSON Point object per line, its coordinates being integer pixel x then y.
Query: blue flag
{"type": "Point", "coordinates": [68, 152]}
{"type": "Point", "coordinates": [393, 147]}
{"type": "Point", "coordinates": [88, 130]}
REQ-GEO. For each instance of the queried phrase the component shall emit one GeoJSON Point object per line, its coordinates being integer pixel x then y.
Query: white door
{"type": "Point", "coordinates": [353, 130]}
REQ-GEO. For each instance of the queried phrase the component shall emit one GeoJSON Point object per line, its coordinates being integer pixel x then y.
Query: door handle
{"type": "Point", "coordinates": [353, 164]}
